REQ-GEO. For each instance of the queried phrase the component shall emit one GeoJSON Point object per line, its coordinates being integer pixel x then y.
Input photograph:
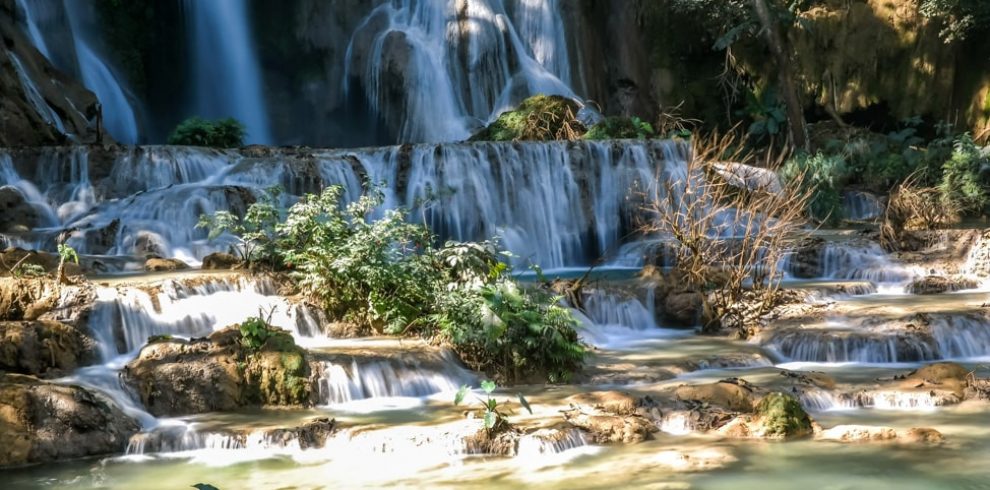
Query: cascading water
{"type": "Point", "coordinates": [340, 382]}
{"type": "Point", "coordinates": [227, 79]}
{"type": "Point", "coordinates": [457, 64]}
{"type": "Point", "coordinates": [555, 204]}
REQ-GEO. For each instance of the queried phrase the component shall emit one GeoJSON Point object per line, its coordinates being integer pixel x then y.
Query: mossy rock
{"type": "Point", "coordinates": [617, 127]}
{"type": "Point", "coordinates": [538, 118]}
{"type": "Point", "coordinates": [783, 416]}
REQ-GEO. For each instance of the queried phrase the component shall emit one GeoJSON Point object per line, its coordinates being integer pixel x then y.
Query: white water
{"type": "Point", "coordinates": [227, 80]}
{"type": "Point", "coordinates": [340, 383]}
{"type": "Point", "coordinates": [554, 204]}
{"type": "Point", "coordinates": [458, 69]}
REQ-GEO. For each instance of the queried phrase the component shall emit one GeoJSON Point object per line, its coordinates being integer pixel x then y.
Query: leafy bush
{"type": "Point", "coordinates": [823, 176]}
{"type": "Point", "coordinates": [960, 18]}
{"type": "Point", "coordinates": [615, 127]}
{"type": "Point", "coordinates": [386, 274]}
{"type": "Point", "coordinates": [255, 331]}
{"type": "Point", "coordinates": [961, 185]}
{"type": "Point", "coordinates": [195, 131]}
{"type": "Point", "coordinates": [255, 231]}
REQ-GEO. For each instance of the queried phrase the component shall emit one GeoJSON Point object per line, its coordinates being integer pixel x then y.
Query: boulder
{"type": "Point", "coordinates": [43, 299]}
{"type": "Point", "coordinates": [17, 215]}
{"type": "Point", "coordinates": [164, 265]}
{"type": "Point", "coordinates": [180, 377]}
{"type": "Point", "coordinates": [42, 422]}
{"type": "Point", "coordinates": [610, 417]}
{"type": "Point", "coordinates": [940, 284]}
{"type": "Point", "coordinates": [44, 348]}
{"type": "Point", "coordinates": [729, 394]}
{"type": "Point", "coordinates": [682, 309]}
{"type": "Point", "coordinates": [220, 261]}
{"type": "Point", "coordinates": [748, 177]}
{"type": "Point", "coordinates": [782, 416]}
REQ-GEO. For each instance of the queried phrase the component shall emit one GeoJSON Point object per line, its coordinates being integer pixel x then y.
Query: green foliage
{"type": "Point", "coordinates": [767, 113]}
{"type": "Point", "coordinates": [195, 131]}
{"type": "Point", "coordinates": [255, 331]}
{"type": "Point", "coordinates": [961, 19]}
{"type": "Point", "coordinates": [386, 273]}
{"type": "Point", "coordinates": [783, 416]}
{"type": "Point", "coordinates": [494, 419]}
{"type": "Point", "coordinates": [25, 269]}
{"type": "Point", "coordinates": [616, 127]}
{"type": "Point", "coordinates": [824, 175]}
{"type": "Point", "coordinates": [67, 254]}
{"type": "Point", "coordinates": [538, 118]}
{"type": "Point", "coordinates": [961, 185]}
{"type": "Point", "coordinates": [255, 231]}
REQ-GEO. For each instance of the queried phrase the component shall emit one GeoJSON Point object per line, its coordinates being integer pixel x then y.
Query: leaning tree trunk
{"type": "Point", "coordinates": [795, 112]}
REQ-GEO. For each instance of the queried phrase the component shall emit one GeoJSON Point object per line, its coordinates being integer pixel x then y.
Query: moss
{"type": "Point", "coordinates": [538, 118]}
{"type": "Point", "coordinates": [783, 416]}
{"type": "Point", "coordinates": [154, 339]}
{"type": "Point", "coordinates": [616, 127]}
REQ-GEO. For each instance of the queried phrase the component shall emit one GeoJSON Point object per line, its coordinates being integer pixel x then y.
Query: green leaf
{"type": "Point", "coordinates": [488, 385]}
{"type": "Point", "coordinates": [489, 419]}
{"type": "Point", "coordinates": [461, 393]}
{"type": "Point", "coordinates": [524, 403]}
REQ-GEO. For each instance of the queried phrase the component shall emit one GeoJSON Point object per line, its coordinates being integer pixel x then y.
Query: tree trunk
{"type": "Point", "coordinates": [795, 112]}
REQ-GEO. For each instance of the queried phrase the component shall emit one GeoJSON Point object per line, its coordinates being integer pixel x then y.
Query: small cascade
{"type": "Point", "coordinates": [861, 206]}
{"type": "Point", "coordinates": [9, 177]}
{"type": "Point", "coordinates": [181, 438]}
{"type": "Point", "coordinates": [978, 258]}
{"type": "Point", "coordinates": [123, 319]}
{"type": "Point", "coordinates": [817, 400]}
{"type": "Point", "coordinates": [459, 64]}
{"type": "Point", "coordinates": [616, 319]}
{"type": "Point", "coordinates": [546, 441]}
{"type": "Point", "coordinates": [340, 382]}
{"type": "Point", "coordinates": [934, 337]}
{"type": "Point", "coordinates": [867, 262]}
{"type": "Point", "coordinates": [226, 74]}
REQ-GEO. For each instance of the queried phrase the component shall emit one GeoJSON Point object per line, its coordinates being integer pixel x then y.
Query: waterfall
{"type": "Point", "coordinates": [97, 76]}
{"type": "Point", "coordinates": [555, 204]}
{"type": "Point", "coordinates": [455, 64]}
{"type": "Point", "coordinates": [340, 382]}
{"type": "Point", "coordinates": [226, 74]}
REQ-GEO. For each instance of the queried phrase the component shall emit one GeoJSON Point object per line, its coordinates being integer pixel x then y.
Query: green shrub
{"type": "Point", "coordinates": [255, 331]}
{"type": "Point", "coordinates": [615, 127]}
{"type": "Point", "coordinates": [961, 185]}
{"type": "Point", "coordinates": [387, 274]}
{"type": "Point", "coordinates": [195, 131]}
{"type": "Point", "coordinates": [824, 175]}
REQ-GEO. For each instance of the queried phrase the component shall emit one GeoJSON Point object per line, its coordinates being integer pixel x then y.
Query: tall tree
{"type": "Point", "coordinates": [785, 75]}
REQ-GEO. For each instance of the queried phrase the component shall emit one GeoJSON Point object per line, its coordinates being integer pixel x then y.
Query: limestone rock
{"type": "Point", "coordinates": [940, 284]}
{"type": "Point", "coordinates": [164, 265]}
{"type": "Point", "coordinates": [682, 309]}
{"type": "Point", "coordinates": [16, 213]}
{"type": "Point", "coordinates": [220, 261]}
{"type": "Point", "coordinates": [44, 348]}
{"type": "Point", "coordinates": [43, 422]}
{"type": "Point", "coordinates": [726, 394]}
{"type": "Point", "coordinates": [610, 417]}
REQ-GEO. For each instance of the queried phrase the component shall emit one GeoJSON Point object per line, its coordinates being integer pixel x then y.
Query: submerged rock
{"type": "Point", "coordinates": [867, 433]}
{"type": "Point", "coordinates": [610, 417]}
{"type": "Point", "coordinates": [42, 422]}
{"type": "Point", "coordinates": [219, 373]}
{"type": "Point", "coordinates": [940, 284]}
{"type": "Point", "coordinates": [44, 348]}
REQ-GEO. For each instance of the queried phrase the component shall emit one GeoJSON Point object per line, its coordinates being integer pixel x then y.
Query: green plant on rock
{"type": "Point", "coordinates": [65, 254]}
{"type": "Point", "coordinates": [255, 231]}
{"type": "Point", "coordinates": [255, 331]}
{"type": "Point", "coordinates": [783, 416]}
{"type": "Point", "coordinates": [196, 131]}
{"type": "Point", "coordinates": [961, 185]}
{"type": "Point", "coordinates": [538, 118]}
{"type": "Point", "coordinates": [494, 419]}
{"type": "Point", "coordinates": [25, 270]}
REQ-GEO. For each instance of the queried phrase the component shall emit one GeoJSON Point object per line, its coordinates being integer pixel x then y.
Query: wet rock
{"type": "Point", "coordinates": [730, 394]}
{"type": "Point", "coordinates": [867, 433]}
{"type": "Point", "coordinates": [682, 309]}
{"type": "Point", "coordinates": [42, 422]}
{"type": "Point", "coordinates": [47, 262]}
{"type": "Point", "coordinates": [310, 435]}
{"type": "Point", "coordinates": [164, 265]}
{"type": "Point", "coordinates": [610, 417]}
{"type": "Point", "coordinates": [944, 380]}
{"type": "Point", "coordinates": [179, 377]}
{"type": "Point", "coordinates": [44, 348]}
{"type": "Point", "coordinates": [940, 284]}
{"type": "Point", "coordinates": [43, 299]}
{"type": "Point", "coordinates": [748, 177]}
{"type": "Point", "coordinates": [16, 214]}
{"type": "Point", "coordinates": [806, 260]}
{"type": "Point", "coordinates": [220, 261]}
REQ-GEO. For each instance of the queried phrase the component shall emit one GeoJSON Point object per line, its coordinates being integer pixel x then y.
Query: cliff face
{"type": "Point", "coordinates": [39, 105]}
